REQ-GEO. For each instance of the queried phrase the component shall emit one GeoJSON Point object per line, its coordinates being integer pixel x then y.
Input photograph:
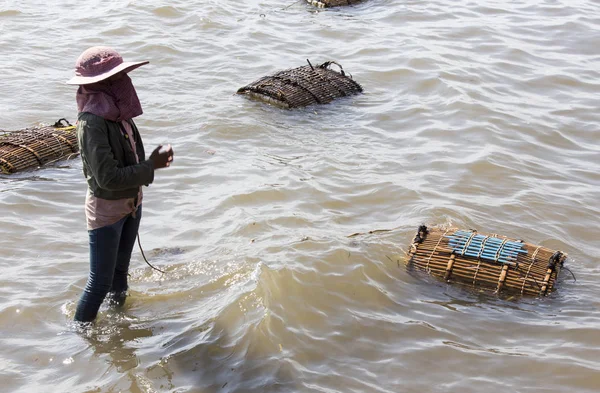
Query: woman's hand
{"type": "Point", "coordinates": [162, 157]}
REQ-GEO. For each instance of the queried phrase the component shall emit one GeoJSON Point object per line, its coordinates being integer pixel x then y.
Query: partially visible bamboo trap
{"type": "Point", "coordinates": [331, 3]}
{"type": "Point", "coordinates": [489, 262]}
{"type": "Point", "coordinates": [37, 146]}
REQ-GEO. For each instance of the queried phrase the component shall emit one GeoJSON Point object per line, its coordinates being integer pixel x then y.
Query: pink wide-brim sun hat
{"type": "Point", "coordinates": [99, 63]}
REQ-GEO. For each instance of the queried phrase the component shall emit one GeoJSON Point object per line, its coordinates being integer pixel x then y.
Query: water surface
{"type": "Point", "coordinates": [479, 114]}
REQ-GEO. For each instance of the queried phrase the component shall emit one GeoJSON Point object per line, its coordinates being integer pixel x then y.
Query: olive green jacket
{"type": "Point", "coordinates": [109, 164]}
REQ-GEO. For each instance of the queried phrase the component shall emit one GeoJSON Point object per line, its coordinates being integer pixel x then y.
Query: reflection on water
{"type": "Point", "coordinates": [117, 340]}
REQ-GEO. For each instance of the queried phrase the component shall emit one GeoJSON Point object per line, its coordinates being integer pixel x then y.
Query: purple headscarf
{"type": "Point", "coordinates": [114, 100]}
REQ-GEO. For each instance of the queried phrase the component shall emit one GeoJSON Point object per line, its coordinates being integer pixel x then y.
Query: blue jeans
{"type": "Point", "coordinates": [110, 252]}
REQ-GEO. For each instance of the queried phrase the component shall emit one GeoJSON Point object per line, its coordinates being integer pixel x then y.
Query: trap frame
{"type": "Point", "coordinates": [37, 146]}
{"type": "Point", "coordinates": [490, 262]}
{"type": "Point", "coordinates": [303, 86]}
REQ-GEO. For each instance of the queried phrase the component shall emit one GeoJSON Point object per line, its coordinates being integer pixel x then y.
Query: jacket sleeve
{"type": "Point", "coordinates": [103, 165]}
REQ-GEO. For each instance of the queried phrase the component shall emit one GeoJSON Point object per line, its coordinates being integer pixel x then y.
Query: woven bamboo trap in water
{"type": "Point", "coordinates": [303, 86]}
{"type": "Point", "coordinates": [37, 146]}
{"type": "Point", "coordinates": [488, 262]}
{"type": "Point", "coordinates": [332, 3]}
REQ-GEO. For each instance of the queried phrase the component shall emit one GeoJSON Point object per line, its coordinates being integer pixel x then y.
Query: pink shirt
{"type": "Point", "coordinates": [103, 212]}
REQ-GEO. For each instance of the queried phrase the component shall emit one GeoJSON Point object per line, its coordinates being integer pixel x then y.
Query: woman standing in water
{"type": "Point", "coordinates": [115, 168]}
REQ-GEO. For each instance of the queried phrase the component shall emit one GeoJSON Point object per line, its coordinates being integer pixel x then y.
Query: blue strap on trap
{"type": "Point", "coordinates": [471, 244]}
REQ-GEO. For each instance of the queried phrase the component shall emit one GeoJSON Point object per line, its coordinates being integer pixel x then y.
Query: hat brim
{"type": "Point", "coordinates": [125, 67]}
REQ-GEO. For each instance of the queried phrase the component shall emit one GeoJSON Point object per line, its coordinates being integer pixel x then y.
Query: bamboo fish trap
{"type": "Point", "coordinates": [37, 146]}
{"type": "Point", "coordinates": [303, 86]}
{"type": "Point", "coordinates": [332, 3]}
{"type": "Point", "coordinates": [489, 262]}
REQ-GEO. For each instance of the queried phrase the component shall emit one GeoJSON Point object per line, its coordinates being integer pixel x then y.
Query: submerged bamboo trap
{"type": "Point", "coordinates": [37, 146]}
{"type": "Point", "coordinates": [489, 262]}
{"type": "Point", "coordinates": [332, 3]}
{"type": "Point", "coordinates": [303, 86]}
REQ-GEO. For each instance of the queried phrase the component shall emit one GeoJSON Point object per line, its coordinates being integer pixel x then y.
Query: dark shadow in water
{"type": "Point", "coordinates": [453, 296]}
{"type": "Point", "coordinates": [23, 176]}
{"type": "Point", "coordinates": [222, 363]}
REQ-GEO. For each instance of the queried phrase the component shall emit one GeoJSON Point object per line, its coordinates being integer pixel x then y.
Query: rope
{"type": "Point", "coordinates": [59, 123]}
{"type": "Point", "coordinates": [6, 164]}
{"type": "Point", "coordinates": [479, 259]}
{"type": "Point", "coordinates": [295, 83]}
{"type": "Point", "coordinates": [264, 15]}
{"type": "Point", "coordinates": [285, 8]}
{"type": "Point", "coordinates": [144, 256]}
{"type": "Point", "coordinates": [499, 251]}
{"type": "Point", "coordinates": [482, 248]}
{"type": "Point", "coordinates": [569, 270]}
{"type": "Point", "coordinates": [524, 279]}
{"type": "Point", "coordinates": [535, 253]}
{"type": "Point", "coordinates": [526, 275]}
{"type": "Point", "coordinates": [327, 64]}
{"type": "Point", "coordinates": [468, 243]}
{"type": "Point", "coordinates": [434, 248]}
{"type": "Point", "coordinates": [372, 232]}
{"type": "Point", "coordinates": [21, 142]}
